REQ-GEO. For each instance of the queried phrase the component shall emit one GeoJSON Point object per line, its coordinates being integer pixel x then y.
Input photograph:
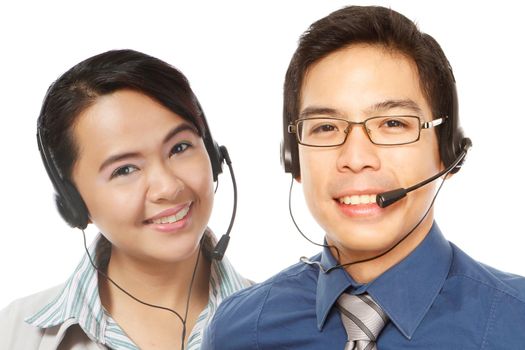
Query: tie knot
{"type": "Point", "coordinates": [362, 318]}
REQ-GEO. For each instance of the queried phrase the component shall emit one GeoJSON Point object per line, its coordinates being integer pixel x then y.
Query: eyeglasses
{"type": "Point", "coordinates": [387, 130]}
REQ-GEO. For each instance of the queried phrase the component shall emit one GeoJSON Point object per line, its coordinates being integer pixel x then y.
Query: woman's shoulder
{"type": "Point", "coordinates": [12, 319]}
{"type": "Point", "coordinates": [32, 302]}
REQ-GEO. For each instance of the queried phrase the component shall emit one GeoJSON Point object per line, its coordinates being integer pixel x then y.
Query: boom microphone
{"type": "Point", "coordinates": [387, 198]}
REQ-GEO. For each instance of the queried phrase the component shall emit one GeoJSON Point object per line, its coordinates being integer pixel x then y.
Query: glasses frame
{"type": "Point", "coordinates": [293, 127]}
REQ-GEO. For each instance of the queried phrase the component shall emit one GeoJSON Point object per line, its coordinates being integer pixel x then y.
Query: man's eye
{"type": "Point", "coordinates": [180, 147]}
{"type": "Point", "coordinates": [323, 128]}
{"type": "Point", "coordinates": [123, 171]}
{"type": "Point", "coordinates": [394, 123]}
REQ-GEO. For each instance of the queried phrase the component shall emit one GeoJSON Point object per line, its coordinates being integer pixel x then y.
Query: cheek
{"type": "Point", "coordinates": [203, 189]}
{"type": "Point", "coordinates": [426, 163]}
{"type": "Point", "coordinates": [314, 176]}
{"type": "Point", "coordinates": [317, 163]}
{"type": "Point", "coordinates": [112, 206]}
{"type": "Point", "coordinates": [199, 178]}
{"type": "Point", "coordinates": [410, 164]}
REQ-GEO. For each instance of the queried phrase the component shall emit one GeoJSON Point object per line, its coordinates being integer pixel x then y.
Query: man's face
{"type": "Point", "coordinates": [357, 83]}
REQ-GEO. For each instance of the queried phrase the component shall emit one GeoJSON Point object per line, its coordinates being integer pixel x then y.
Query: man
{"type": "Point", "coordinates": [370, 107]}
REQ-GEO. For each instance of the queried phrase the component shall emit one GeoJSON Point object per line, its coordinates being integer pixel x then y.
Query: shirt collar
{"type": "Point", "coordinates": [79, 299]}
{"type": "Point", "coordinates": [224, 281]}
{"type": "Point", "coordinates": [405, 292]}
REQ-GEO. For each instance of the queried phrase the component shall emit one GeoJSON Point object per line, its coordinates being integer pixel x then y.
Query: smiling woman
{"type": "Point", "coordinates": [136, 172]}
{"type": "Point", "coordinates": [127, 148]}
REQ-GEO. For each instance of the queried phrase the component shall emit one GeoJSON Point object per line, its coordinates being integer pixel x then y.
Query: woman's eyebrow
{"type": "Point", "coordinates": [116, 158]}
{"type": "Point", "coordinates": [178, 129]}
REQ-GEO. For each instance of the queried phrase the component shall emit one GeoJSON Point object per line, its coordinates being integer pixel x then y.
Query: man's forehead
{"type": "Point", "coordinates": [371, 78]}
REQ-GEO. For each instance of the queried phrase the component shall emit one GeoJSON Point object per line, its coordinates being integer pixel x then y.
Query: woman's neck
{"type": "Point", "coordinates": [160, 283]}
{"type": "Point", "coordinates": [163, 285]}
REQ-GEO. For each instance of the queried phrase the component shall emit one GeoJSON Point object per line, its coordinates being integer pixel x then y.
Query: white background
{"type": "Point", "coordinates": [235, 55]}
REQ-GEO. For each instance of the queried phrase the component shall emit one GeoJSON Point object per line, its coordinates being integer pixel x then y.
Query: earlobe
{"type": "Point", "coordinates": [298, 178]}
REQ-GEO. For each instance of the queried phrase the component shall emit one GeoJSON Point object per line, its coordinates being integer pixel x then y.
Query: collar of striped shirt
{"type": "Point", "coordinates": [79, 302]}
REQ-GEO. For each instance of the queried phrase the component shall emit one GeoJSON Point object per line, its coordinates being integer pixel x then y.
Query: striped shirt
{"type": "Point", "coordinates": [79, 302]}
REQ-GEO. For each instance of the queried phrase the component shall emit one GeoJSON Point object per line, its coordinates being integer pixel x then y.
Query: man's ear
{"type": "Point", "coordinates": [298, 178]}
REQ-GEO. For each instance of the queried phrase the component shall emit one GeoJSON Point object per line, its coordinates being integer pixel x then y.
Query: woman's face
{"type": "Point", "coordinates": [145, 176]}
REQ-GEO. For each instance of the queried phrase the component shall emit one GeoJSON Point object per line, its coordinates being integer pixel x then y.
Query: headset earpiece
{"type": "Point", "coordinates": [458, 142]}
{"type": "Point", "coordinates": [215, 154]}
{"type": "Point", "coordinates": [212, 147]}
{"type": "Point", "coordinates": [76, 215]}
{"type": "Point", "coordinates": [290, 152]}
{"type": "Point", "coordinates": [68, 200]}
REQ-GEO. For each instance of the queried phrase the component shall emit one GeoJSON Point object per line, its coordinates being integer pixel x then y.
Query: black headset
{"type": "Point", "coordinates": [69, 202]}
{"type": "Point", "coordinates": [290, 146]}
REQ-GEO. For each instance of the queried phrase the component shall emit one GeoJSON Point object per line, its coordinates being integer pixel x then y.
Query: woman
{"type": "Point", "coordinates": [127, 148]}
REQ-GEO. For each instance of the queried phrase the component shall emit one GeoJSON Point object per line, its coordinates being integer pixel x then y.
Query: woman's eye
{"type": "Point", "coordinates": [123, 171]}
{"type": "Point", "coordinates": [179, 148]}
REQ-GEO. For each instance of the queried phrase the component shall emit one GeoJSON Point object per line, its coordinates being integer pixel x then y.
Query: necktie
{"type": "Point", "coordinates": [363, 320]}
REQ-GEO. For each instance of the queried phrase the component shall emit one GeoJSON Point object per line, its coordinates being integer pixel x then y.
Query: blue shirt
{"type": "Point", "coordinates": [436, 298]}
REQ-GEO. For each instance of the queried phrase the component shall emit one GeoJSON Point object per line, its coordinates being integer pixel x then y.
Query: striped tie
{"type": "Point", "coordinates": [363, 320]}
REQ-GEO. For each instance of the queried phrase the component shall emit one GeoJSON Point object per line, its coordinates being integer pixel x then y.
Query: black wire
{"type": "Point", "coordinates": [295, 223]}
{"type": "Point", "coordinates": [399, 242]}
{"type": "Point", "coordinates": [304, 259]}
{"type": "Point", "coordinates": [183, 320]}
{"type": "Point", "coordinates": [234, 210]}
{"type": "Point", "coordinates": [216, 185]}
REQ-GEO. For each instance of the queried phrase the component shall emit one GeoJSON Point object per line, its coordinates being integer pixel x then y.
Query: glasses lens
{"type": "Point", "coordinates": [321, 131]}
{"type": "Point", "coordinates": [393, 130]}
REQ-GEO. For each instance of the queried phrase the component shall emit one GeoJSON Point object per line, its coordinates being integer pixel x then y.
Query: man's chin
{"type": "Point", "coordinates": [364, 243]}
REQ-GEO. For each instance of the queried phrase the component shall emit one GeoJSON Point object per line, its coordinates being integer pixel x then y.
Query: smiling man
{"type": "Point", "coordinates": [371, 131]}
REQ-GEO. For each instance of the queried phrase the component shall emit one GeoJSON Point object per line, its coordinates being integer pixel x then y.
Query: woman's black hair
{"type": "Point", "coordinates": [103, 74]}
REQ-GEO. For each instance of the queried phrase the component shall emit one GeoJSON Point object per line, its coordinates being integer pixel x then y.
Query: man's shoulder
{"type": "Point", "coordinates": [509, 284]}
{"type": "Point", "coordinates": [294, 276]}
{"type": "Point", "coordinates": [238, 317]}
{"type": "Point", "coordinates": [500, 294]}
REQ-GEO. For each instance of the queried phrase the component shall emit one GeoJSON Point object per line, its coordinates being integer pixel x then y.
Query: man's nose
{"type": "Point", "coordinates": [357, 152]}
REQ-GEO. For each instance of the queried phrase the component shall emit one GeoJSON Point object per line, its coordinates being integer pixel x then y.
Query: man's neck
{"type": "Point", "coordinates": [368, 271]}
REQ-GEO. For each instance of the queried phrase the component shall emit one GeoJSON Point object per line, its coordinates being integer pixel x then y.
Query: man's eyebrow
{"type": "Point", "coordinates": [316, 111]}
{"type": "Point", "coordinates": [173, 132]}
{"type": "Point", "coordinates": [382, 106]}
{"type": "Point", "coordinates": [391, 104]}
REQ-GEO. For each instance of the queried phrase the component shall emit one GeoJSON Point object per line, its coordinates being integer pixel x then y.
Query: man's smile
{"type": "Point", "coordinates": [358, 199]}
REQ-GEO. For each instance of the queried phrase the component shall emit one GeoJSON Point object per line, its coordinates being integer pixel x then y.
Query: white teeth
{"type": "Point", "coordinates": [355, 199]}
{"type": "Point", "coordinates": [365, 199]}
{"type": "Point", "coordinates": [173, 218]}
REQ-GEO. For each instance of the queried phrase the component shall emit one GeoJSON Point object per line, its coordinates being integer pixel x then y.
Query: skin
{"type": "Point", "coordinates": [129, 170]}
{"type": "Point", "coordinates": [356, 83]}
